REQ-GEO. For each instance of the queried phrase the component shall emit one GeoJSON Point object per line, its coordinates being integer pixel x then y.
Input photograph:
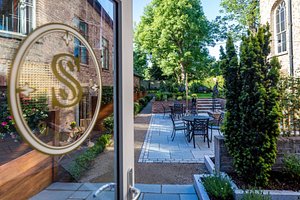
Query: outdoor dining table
{"type": "Point", "coordinates": [189, 119]}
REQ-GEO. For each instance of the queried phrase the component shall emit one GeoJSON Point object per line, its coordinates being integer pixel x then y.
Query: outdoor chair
{"type": "Point", "coordinates": [166, 110]}
{"type": "Point", "coordinates": [200, 127]}
{"type": "Point", "coordinates": [193, 109]}
{"type": "Point", "coordinates": [178, 125]}
{"type": "Point", "coordinates": [216, 125]}
{"type": "Point", "coordinates": [178, 110]}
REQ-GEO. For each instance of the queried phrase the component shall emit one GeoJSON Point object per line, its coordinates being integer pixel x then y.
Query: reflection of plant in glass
{"type": "Point", "coordinates": [35, 111]}
{"type": "Point", "coordinates": [73, 124]}
{"type": "Point", "coordinates": [7, 128]}
{"type": "Point", "coordinates": [75, 133]}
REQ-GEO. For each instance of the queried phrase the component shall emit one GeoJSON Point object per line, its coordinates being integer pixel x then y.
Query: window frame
{"type": "Point", "coordinates": [105, 53]}
{"type": "Point", "coordinates": [23, 23]}
{"type": "Point", "coordinates": [77, 44]}
{"type": "Point", "coordinates": [280, 28]}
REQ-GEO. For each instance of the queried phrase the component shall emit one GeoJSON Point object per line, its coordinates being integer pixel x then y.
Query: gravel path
{"type": "Point", "coordinates": [147, 173]}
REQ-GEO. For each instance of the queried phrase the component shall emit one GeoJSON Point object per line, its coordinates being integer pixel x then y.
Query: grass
{"type": "Point", "coordinates": [204, 95]}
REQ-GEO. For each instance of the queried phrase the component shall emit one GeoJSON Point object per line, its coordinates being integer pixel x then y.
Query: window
{"type": "Point", "coordinates": [281, 28]}
{"type": "Point", "coordinates": [16, 16]}
{"type": "Point", "coordinates": [80, 50]}
{"type": "Point", "coordinates": [105, 54]}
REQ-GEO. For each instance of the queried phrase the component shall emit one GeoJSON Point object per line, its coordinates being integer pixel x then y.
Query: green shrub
{"type": "Point", "coordinates": [194, 95]}
{"type": "Point", "coordinates": [142, 102]}
{"type": "Point", "coordinates": [158, 96]}
{"type": "Point", "coordinates": [218, 187]}
{"type": "Point", "coordinates": [136, 108]}
{"type": "Point", "coordinates": [108, 124]}
{"type": "Point", "coordinates": [107, 94]}
{"type": "Point", "coordinates": [251, 126]}
{"type": "Point", "coordinates": [255, 195]}
{"type": "Point", "coordinates": [292, 165]}
{"type": "Point", "coordinates": [179, 98]}
{"type": "Point", "coordinates": [148, 98]}
{"type": "Point", "coordinates": [83, 161]}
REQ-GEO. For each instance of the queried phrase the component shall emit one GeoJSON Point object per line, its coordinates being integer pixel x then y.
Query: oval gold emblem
{"type": "Point", "coordinates": [55, 89]}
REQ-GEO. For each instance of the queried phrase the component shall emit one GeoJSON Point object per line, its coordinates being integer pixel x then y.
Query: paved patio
{"type": "Point", "coordinates": [159, 148]}
{"type": "Point", "coordinates": [84, 191]}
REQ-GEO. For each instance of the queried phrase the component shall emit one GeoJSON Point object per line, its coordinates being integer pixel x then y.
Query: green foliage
{"type": "Point", "coordinates": [210, 82]}
{"type": "Point", "coordinates": [108, 124]}
{"type": "Point", "coordinates": [138, 106]}
{"type": "Point", "coordinates": [292, 165]}
{"type": "Point", "coordinates": [179, 98]}
{"type": "Point", "coordinates": [290, 105]}
{"type": "Point", "coordinates": [175, 33]}
{"type": "Point", "coordinates": [251, 125]}
{"type": "Point", "coordinates": [139, 60]}
{"type": "Point", "coordinates": [240, 16]}
{"type": "Point", "coordinates": [84, 161]}
{"type": "Point", "coordinates": [107, 94]}
{"type": "Point", "coordinates": [255, 195]}
{"type": "Point", "coordinates": [218, 187]}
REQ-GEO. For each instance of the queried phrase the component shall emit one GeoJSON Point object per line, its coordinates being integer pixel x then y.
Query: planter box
{"type": "Point", "coordinates": [285, 145]}
{"type": "Point", "coordinates": [238, 193]}
{"type": "Point", "coordinates": [200, 189]}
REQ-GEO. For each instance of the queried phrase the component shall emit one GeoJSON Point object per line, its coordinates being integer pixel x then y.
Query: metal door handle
{"type": "Point", "coordinates": [135, 193]}
{"type": "Point", "coordinates": [109, 186]}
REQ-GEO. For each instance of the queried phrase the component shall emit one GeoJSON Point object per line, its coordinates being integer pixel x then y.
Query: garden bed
{"type": "Point", "coordinates": [277, 181]}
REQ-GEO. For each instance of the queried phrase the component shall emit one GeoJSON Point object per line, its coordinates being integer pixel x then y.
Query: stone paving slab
{"type": "Point", "coordinates": [159, 148]}
{"type": "Point", "coordinates": [85, 192]}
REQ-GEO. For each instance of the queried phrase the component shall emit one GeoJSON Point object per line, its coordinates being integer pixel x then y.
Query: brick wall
{"type": "Point", "coordinates": [285, 145]}
{"type": "Point", "coordinates": [157, 105]}
{"type": "Point", "coordinates": [64, 12]}
{"type": "Point", "coordinates": [267, 12]}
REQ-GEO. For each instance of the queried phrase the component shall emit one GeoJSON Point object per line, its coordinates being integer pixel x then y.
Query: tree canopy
{"type": "Point", "coordinates": [239, 17]}
{"type": "Point", "coordinates": [175, 33]}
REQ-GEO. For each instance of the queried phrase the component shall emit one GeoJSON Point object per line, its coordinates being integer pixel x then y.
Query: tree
{"type": "Point", "coordinates": [139, 61]}
{"type": "Point", "coordinates": [251, 127]}
{"type": "Point", "coordinates": [240, 16]}
{"type": "Point", "coordinates": [175, 32]}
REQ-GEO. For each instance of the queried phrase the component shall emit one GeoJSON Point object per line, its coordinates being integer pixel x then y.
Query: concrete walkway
{"type": "Point", "coordinates": [84, 191]}
{"type": "Point", "coordinates": [159, 148]}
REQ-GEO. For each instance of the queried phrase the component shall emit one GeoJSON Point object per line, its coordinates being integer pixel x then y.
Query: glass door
{"type": "Point", "coordinates": [66, 109]}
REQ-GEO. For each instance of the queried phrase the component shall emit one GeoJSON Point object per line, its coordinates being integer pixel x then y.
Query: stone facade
{"type": "Point", "coordinates": [285, 146]}
{"type": "Point", "coordinates": [267, 12]}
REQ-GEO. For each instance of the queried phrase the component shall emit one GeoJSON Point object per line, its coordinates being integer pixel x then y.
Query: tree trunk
{"type": "Point", "coordinates": [185, 81]}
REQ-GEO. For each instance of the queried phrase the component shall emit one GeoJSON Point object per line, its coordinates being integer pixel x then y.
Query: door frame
{"type": "Point", "coordinates": [123, 98]}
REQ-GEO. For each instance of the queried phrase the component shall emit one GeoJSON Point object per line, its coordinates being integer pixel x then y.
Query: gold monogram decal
{"type": "Point", "coordinates": [58, 65]}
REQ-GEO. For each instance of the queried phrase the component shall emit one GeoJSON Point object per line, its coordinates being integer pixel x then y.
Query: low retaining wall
{"type": "Point", "coordinates": [285, 145]}
{"type": "Point", "coordinates": [157, 105]}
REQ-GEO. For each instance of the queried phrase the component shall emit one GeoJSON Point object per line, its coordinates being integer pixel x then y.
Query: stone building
{"type": "Point", "coordinates": [284, 19]}
{"type": "Point", "coordinates": [18, 18]}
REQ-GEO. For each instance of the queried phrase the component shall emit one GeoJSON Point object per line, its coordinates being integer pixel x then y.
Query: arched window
{"type": "Point", "coordinates": [281, 27]}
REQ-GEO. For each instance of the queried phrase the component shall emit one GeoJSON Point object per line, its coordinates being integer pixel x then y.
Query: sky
{"type": "Point", "coordinates": [210, 7]}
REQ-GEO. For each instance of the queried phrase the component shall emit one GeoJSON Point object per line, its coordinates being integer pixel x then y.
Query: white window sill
{"type": "Point", "coordinates": [13, 35]}
{"type": "Point", "coordinates": [281, 54]}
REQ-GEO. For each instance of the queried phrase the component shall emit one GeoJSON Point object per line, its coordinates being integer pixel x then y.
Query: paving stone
{"type": "Point", "coordinates": [80, 195]}
{"type": "Point", "coordinates": [107, 195]}
{"type": "Point", "coordinates": [176, 189]}
{"type": "Point", "coordinates": [188, 197]}
{"type": "Point", "coordinates": [161, 197]}
{"type": "Point", "coordinates": [90, 186]}
{"type": "Point", "coordinates": [158, 145]}
{"type": "Point", "coordinates": [149, 188]}
{"type": "Point", "coordinates": [64, 186]}
{"type": "Point", "coordinates": [52, 194]}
